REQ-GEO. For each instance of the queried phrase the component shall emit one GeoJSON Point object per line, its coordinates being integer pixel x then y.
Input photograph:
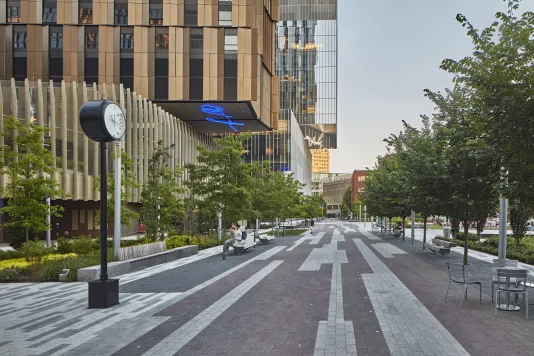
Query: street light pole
{"type": "Point", "coordinates": [48, 231]}
{"type": "Point", "coordinates": [365, 220]}
{"type": "Point", "coordinates": [503, 211]}
{"type": "Point", "coordinates": [413, 226]}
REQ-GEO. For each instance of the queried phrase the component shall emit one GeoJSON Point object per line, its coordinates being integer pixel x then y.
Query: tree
{"type": "Point", "coordinates": [347, 202]}
{"type": "Point", "coordinates": [161, 203]}
{"type": "Point", "coordinates": [473, 171]}
{"type": "Point", "coordinates": [221, 180]}
{"type": "Point", "coordinates": [127, 181]}
{"type": "Point", "coordinates": [29, 166]}
{"type": "Point", "coordinates": [313, 206]}
{"type": "Point", "coordinates": [519, 215]}
{"type": "Point", "coordinates": [499, 77]}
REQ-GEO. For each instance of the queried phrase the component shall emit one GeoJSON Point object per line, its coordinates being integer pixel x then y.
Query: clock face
{"type": "Point", "coordinates": [114, 121]}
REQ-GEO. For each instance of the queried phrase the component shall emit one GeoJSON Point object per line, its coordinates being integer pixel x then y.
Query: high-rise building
{"type": "Point", "coordinates": [306, 65]}
{"type": "Point", "coordinates": [320, 160]}
{"type": "Point", "coordinates": [181, 70]}
{"type": "Point", "coordinates": [177, 53]}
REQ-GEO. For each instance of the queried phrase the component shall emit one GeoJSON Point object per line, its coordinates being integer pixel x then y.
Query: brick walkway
{"type": "Point", "coordinates": [340, 291]}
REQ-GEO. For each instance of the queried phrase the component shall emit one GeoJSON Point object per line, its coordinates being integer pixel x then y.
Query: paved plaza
{"type": "Point", "coordinates": [342, 290]}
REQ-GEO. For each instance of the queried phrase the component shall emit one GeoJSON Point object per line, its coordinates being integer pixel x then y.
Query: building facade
{"type": "Point", "coordinates": [182, 70]}
{"type": "Point", "coordinates": [318, 179]}
{"type": "Point", "coordinates": [179, 50]}
{"type": "Point", "coordinates": [77, 158]}
{"type": "Point", "coordinates": [306, 65]}
{"type": "Point", "coordinates": [333, 191]}
{"type": "Point", "coordinates": [358, 183]}
{"type": "Point", "coordinates": [320, 160]}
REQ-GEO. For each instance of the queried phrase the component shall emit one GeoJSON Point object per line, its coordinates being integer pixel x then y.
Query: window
{"type": "Point", "coordinates": [91, 37]}
{"type": "Point", "coordinates": [56, 37]}
{"type": "Point", "coordinates": [85, 11]}
{"type": "Point", "coordinates": [127, 57]}
{"type": "Point", "coordinates": [121, 12]}
{"type": "Point", "coordinates": [191, 12]}
{"type": "Point", "coordinates": [19, 38]}
{"type": "Point", "coordinates": [361, 178]}
{"type": "Point", "coordinates": [55, 53]}
{"type": "Point", "coordinates": [162, 41]}
{"type": "Point", "coordinates": [230, 64]}
{"type": "Point", "coordinates": [13, 11]}
{"type": "Point", "coordinates": [196, 64]}
{"type": "Point", "coordinates": [225, 13]}
{"type": "Point", "coordinates": [19, 53]}
{"type": "Point", "coordinates": [156, 12]}
{"type": "Point", "coordinates": [161, 70]}
{"type": "Point", "coordinates": [91, 54]}
{"type": "Point", "coordinates": [49, 11]}
{"type": "Point", "coordinates": [127, 40]}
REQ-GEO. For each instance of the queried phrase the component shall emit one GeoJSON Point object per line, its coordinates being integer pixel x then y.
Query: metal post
{"type": "Point", "coordinates": [118, 188]}
{"type": "Point", "coordinates": [103, 212]}
{"type": "Point", "coordinates": [365, 220]}
{"type": "Point", "coordinates": [256, 230]}
{"type": "Point", "coordinates": [219, 224]}
{"type": "Point", "coordinates": [360, 217]}
{"type": "Point", "coordinates": [48, 231]}
{"type": "Point", "coordinates": [503, 212]}
{"type": "Point", "coordinates": [413, 226]}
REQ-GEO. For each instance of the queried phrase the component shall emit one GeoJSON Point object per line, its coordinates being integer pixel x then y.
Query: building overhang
{"type": "Point", "coordinates": [320, 136]}
{"type": "Point", "coordinates": [216, 117]}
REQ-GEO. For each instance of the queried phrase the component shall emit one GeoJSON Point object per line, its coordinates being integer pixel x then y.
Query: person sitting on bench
{"type": "Point", "coordinates": [238, 238]}
{"type": "Point", "coordinates": [230, 242]}
{"type": "Point", "coordinates": [398, 230]}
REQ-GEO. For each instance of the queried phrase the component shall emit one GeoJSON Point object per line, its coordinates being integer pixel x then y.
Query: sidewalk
{"type": "Point", "coordinates": [339, 291]}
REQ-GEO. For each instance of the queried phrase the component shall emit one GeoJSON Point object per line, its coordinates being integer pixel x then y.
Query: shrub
{"type": "Point", "coordinates": [7, 255]}
{"type": "Point", "coordinates": [472, 237]}
{"type": "Point", "coordinates": [83, 245]}
{"type": "Point", "coordinates": [64, 246]}
{"type": "Point", "coordinates": [17, 236]}
{"type": "Point", "coordinates": [177, 241]}
{"type": "Point", "coordinates": [51, 268]}
{"type": "Point", "coordinates": [34, 251]}
{"type": "Point", "coordinates": [9, 275]}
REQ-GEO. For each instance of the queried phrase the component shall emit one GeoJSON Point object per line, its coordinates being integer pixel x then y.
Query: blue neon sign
{"type": "Point", "coordinates": [219, 111]}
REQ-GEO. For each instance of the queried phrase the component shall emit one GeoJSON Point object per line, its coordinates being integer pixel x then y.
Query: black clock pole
{"type": "Point", "coordinates": [103, 211]}
{"type": "Point", "coordinates": [103, 292]}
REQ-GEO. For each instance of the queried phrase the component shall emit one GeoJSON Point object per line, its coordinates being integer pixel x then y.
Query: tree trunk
{"type": "Point", "coordinates": [424, 232]}
{"type": "Point", "coordinates": [403, 227]}
{"type": "Point", "coordinates": [27, 234]}
{"type": "Point", "coordinates": [466, 240]}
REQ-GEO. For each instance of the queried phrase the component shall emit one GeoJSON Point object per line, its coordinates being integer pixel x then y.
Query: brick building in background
{"type": "Point", "coordinates": [358, 182]}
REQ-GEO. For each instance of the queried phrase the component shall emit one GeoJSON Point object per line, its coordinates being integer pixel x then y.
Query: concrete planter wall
{"type": "Point", "coordinates": [127, 253]}
{"type": "Point", "coordinates": [118, 268]}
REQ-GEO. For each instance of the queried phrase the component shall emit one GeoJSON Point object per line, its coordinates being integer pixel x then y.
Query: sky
{"type": "Point", "coordinates": [389, 52]}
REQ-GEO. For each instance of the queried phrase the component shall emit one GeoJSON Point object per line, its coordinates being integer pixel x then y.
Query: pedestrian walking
{"type": "Point", "coordinates": [230, 241]}
{"type": "Point", "coordinates": [312, 223]}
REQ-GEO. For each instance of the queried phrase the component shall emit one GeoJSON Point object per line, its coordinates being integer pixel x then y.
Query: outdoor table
{"type": "Point", "coordinates": [529, 285]}
{"type": "Point", "coordinates": [507, 306]}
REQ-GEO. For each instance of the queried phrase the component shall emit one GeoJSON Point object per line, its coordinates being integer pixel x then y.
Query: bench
{"type": "Point", "coordinates": [440, 246]}
{"type": "Point", "coordinates": [243, 246]}
{"type": "Point", "coordinates": [265, 239]}
{"type": "Point", "coordinates": [443, 243]}
{"type": "Point", "coordinates": [397, 233]}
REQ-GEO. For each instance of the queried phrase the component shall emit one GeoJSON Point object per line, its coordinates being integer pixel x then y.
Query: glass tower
{"type": "Point", "coordinates": [306, 65]}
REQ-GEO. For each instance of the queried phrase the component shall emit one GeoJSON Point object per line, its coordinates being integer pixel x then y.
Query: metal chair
{"type": "Point", "coordinates": [502, 264]}
{"type": "Point", "coordinates": [455, 269]}
{"type": "Point", "coordinates": [517, 286]}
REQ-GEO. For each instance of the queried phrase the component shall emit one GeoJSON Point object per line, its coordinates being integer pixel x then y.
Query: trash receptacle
{"type": "Point", "coordinates": [446, 231]}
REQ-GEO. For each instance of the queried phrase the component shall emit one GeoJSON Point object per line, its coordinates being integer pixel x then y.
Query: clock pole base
{"type": "Point", "coordinates": [103, 294]}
